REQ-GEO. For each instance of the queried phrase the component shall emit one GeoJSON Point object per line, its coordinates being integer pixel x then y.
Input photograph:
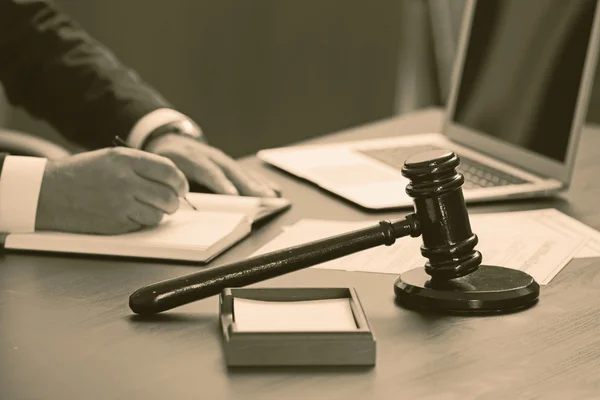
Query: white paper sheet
{"type": "Point", "coordinates": [254, 207]}
{"type": "Point", "coordinates": [540, 242]}
{"type": "Point", "coordinates": [327, 315]}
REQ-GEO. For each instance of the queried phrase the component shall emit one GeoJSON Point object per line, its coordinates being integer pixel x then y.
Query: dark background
{"type": "Point", "coordinates": [257, 73]}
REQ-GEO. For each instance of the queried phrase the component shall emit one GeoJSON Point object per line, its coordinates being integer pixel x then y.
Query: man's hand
{"type": "Point", "coordinates": [108, 191]}
{"type": "Point", "coordinates": [210, 167]}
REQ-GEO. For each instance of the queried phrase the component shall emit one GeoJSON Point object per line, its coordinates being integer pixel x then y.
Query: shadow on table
{"type": "Point", "coordinates": [299, 371]}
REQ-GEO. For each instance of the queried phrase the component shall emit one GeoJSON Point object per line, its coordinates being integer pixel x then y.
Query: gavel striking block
{"type": "Point", "coordinates": [452, 280]}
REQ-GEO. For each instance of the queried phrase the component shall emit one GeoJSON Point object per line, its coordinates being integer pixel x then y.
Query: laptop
{"type": "Point", "coordinates": [521, 82]}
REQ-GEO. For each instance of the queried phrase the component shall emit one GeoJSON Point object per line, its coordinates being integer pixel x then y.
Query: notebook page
{"type": "Point", "coordinates": [219, 202]}
{"type": "Point", "coordinates": [254, 207]}
{"type": "Point", "coordinates": [183, 235]}
{"type": "Point", "coordinates": [195, 229]}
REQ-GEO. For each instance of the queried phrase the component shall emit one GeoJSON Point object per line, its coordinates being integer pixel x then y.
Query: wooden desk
{"type": "Point", "coordinates": [66, 331]}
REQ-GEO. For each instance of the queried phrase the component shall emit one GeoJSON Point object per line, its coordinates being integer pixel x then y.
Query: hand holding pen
{"type": "Point", "coordinates": [121, 143]}
{"type": "Point", "coordinates": [108, 191]}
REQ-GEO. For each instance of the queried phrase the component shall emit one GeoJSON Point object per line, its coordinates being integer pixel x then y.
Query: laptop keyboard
{"type": "Point", "coordinates": [476, 175]}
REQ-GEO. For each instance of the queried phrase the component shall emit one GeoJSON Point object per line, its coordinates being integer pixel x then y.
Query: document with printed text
{"type": "Point", "coordinates": [540, 242]}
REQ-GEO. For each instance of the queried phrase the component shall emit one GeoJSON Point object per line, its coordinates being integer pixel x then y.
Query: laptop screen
{"type": "Point", "coordinates": [522, 71]}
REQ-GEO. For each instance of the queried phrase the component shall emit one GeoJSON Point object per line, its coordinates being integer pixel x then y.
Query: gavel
{"type": "Point", "coordinates": [452, 279]}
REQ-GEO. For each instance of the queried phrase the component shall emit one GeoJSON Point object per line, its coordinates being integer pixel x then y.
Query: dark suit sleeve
{"type": "Point", "coordinates": [54, 70]}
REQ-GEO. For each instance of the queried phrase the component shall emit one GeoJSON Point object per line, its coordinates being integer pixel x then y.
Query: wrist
{"type": "Point", "coordinates": [182, 128]}
{"type": "Point", "coordinates": [163, 140]}
{"type": "Point", "coordinates": [45, 211]}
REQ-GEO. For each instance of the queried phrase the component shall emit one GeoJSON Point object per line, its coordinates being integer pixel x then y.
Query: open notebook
{"type": "Point", "coordinates": [187, 235]}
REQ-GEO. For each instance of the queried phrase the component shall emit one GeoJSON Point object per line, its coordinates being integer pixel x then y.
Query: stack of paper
{"type": "Point", "coordinates": [540, 242]}
{"type": "Point", "coordinates": [323, 315]}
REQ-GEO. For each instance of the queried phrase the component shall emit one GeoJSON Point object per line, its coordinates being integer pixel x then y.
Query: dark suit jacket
{"type": "Point", "coordinates": [54, 70]}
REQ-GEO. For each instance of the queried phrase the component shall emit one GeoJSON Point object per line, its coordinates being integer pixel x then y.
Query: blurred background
{"type": "Point", "coordinates": [262, 73]}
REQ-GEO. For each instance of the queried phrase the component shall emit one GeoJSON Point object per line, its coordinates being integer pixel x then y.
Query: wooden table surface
{"type": "Point", "coordinates": [66, 331]}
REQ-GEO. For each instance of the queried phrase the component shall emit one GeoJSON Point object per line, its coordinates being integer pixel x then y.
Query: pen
{"type": "Point", "coordinates": [117, 141]}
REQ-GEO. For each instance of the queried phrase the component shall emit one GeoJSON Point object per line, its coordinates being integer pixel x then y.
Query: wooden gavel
{"type": "Point", "coordinates": [440, 217]}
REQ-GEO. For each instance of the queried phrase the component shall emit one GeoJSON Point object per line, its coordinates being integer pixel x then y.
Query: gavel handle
{"type": "Point", "coordinates": [171, 293]}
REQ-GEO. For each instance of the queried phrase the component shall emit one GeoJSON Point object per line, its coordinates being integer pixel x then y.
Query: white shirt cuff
{"type": "Point", "coordinates": [20, 184]}
{"type": "Point", "coordinates": [150, 122]}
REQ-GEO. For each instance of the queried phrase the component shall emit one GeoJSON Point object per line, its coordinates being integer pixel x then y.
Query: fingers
{"type": "Point", "coordinates": [157, 195]}
{"type": "Point", "coordinates": [145, 215]}
{"type": "Point", "coordinates": [275, 187]}
{"type": "Point", "coordinates": [206, 172]}
{"type": "Point", "coordinates": [246, 183]}
{"type": "Point", "coordinates": [215, 170]}
{"type": "Point", "coordinates": [162, 170]}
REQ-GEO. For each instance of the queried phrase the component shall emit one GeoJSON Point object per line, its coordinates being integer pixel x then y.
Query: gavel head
{"type": "Point", "coordinates": [436, 188]}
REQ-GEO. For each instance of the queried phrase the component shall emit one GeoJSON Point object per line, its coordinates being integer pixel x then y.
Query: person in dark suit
{"type": "Point", "coordinates": [53, 69]}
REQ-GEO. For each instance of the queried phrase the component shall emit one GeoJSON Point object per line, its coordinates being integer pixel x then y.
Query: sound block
{"type": "Point", "coordinates": [487, 290]}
